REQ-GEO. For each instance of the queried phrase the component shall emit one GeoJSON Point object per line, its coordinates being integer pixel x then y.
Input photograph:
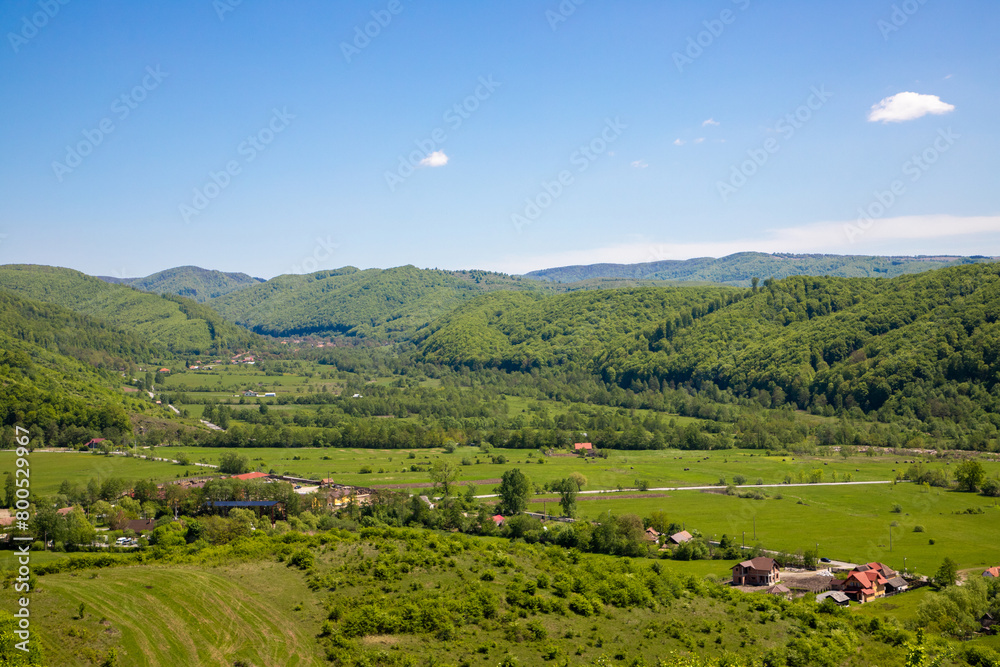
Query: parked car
{"type": "Point", "coordinates": [825, 560]}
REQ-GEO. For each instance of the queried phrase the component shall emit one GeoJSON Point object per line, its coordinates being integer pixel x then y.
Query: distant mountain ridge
{"type": "Point", "coordinates": [192, 282]}
{"type": "Point", "coordinates": [738, 269]}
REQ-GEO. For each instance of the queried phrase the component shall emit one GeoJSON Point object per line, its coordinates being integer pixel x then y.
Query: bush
{"type": "Point", "coordinates": [918, 529]}
{"type": "Point", "coordinates": [301, 559]}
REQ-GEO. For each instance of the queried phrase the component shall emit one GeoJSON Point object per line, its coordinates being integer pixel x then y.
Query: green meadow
{"type": "Point", "coordinates": [49, 469]}
{"type": "Point", "coordinates": [851, 523]}
{"type": "Point", "coordinates": [663, 468]}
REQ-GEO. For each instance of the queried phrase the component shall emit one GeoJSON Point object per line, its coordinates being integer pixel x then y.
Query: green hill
{"type": "Point", "coordinates": [191, 282]}
{"type": "Point", "coordinates": [518, 330]}
{"type": "Point", "coordinates": [60, 373]}
{"type": "Point", "coordinates": [178, 324]}
{"type": "Point", "coordinates": [373, 303]}
{"type": "Point", "coordinates": [740, 268]}
{"type": "Point", "coordinates": [925, 346]}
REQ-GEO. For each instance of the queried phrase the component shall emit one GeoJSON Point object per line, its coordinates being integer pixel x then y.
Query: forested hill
{"type": "Point", "coordinates": [60, 372]}
{"type": "Point", "coordinates": [178, 324]}
{"type": "Point", "coordinates": [191, 282]}
{"type": "Point", "coordinates": [739, 269]}
{"type": "Point", "coordinates": [373, 303]}
{"type": "Point", "coordinates": [519, 331]}
{"type": "Point", "coordinates": [925, 345]}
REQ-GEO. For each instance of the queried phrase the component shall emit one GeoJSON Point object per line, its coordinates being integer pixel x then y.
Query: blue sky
{"type": "Point", "coordinates": [274, 138]}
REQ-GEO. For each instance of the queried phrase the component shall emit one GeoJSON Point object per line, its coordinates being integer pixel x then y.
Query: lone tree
{"type": "Point", "coordinates": [232, 463]}
{"type": "Point", "coordinates": [946, 574]}
{"type": "Point", "coordinates": [514, 491]}
{"type": "Point", "coordinates": [970, 475]}
{"type": "Point", "coordinates": [579, 480]}
{"type": "Point", "coordinates": [567, 489]}
{"type": "Point", "coordinates": [443, 474]}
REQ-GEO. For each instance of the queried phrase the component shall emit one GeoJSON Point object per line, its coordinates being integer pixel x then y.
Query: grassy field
{"type": "Point", "coordinates": [850, 523]}
{"type": "Point", "coordinates": [665, 468]}
{"type": "Point", "coordinates": [49, 469]}
{"type": "Point", "coordinates": [178, 616]}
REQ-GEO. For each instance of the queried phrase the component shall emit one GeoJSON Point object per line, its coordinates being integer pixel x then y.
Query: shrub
{"type": "Point", "coordinates": [918, 529]}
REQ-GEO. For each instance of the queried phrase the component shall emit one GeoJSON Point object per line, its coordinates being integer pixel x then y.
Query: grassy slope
{"type": "Point", "coordinates": [168, 616]}
{"type": "Point", "coordinates": [187, 615]}
{"type": "Point", "coordinates": [180, 324]}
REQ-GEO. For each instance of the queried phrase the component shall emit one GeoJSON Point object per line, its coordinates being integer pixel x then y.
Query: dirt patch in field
{"type": "Point", "coordinates": [418, 485]}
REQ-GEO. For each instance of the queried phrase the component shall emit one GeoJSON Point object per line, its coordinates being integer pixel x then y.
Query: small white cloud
{"type": "Point", "coordinates": [907, 106]}
{"type": "Point", "coordinates": [949, 76]}
{"type": "Point", "coordinates": [435, 159]}
{"type": "Point", "coordinates": [678, 142]}
{"type": "Point", "coordinates": [710, 121]}
{"type": "Point", "coordinates": [699, 140]}
{"type": "Point", "coordinates": [640, 164]}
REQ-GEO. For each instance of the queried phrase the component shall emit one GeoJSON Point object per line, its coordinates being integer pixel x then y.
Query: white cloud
{"type": "Point", "coordinates": [678, 142]}
{"type": "Point", "coordinates": [699, 140]}
{"type": "Point", "coordinates": [710, 121]}
{"type": "Point", "coordinates": [907, 235]}
{"type": "Point", "coordinates": [640, 164]}
{"type": "Point", "coordinates": [907, 106]}
{"type": "Point", "coordinates": [435, 159]}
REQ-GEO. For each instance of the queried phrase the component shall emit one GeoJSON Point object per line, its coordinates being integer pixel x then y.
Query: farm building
{"type": "Point", "coordinates": [251, 475]}
{"type": "Point", "coordinates": [896, 585]}
{"type": "Point", "coordinates": [760, 571]}
{"type": "Point", "coordinates": [680, 538]}
{"type": "Point", "coordinates": [94, 443]}
{"type": "Point", "coordinates": [992, 572]}
{"type": "Point", "coordinates": [839, 598]}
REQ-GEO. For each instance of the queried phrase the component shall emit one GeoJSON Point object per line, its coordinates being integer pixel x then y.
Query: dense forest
{"type": "Point", "coordinates": [740, 268]}
{"type": "Point", "coordinates": [190, 282]}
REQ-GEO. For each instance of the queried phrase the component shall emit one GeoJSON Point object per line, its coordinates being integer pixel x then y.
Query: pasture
{"type": "Point", "coordinates": [662, 468]}
{"type": "Point", "coordinates": [49, 469]}
{"type": "Point", "coordinates": [851, 523]}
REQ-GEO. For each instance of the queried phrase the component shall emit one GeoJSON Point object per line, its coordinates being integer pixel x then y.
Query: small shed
{"type": "Point", "coordinates": [839, 598]}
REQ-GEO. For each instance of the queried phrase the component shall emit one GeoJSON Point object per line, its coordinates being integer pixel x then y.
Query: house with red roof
{"type": "Point", "coordinates": [93, 443]}
{"type": "Point", "coordinates": [498, 519]}
{"type": "Point", "coordinates": [992, 572]}
{"type": "Point", "coordinates": [583, 445]}
{"type": "Point", "coordinates": [760, 571]}
{"type": "Point", "coordinates": [251, 475]}
{"type": "Point", "coordinates": [865, 585]}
